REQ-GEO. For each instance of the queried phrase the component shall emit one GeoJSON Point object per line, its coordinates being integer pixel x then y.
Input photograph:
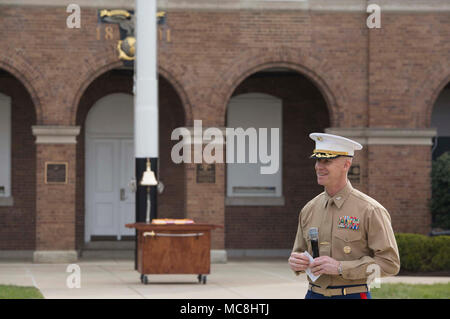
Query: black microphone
{"type": "Point", "coordinates": [314, 238]}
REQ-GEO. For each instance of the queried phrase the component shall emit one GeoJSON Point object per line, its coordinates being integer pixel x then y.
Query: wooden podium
{"type": "Point", "coordinates": [173, 249]}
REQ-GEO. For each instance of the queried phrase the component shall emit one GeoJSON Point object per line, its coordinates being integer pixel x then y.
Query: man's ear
{"type": "Point", "coordinates": [347, 164]}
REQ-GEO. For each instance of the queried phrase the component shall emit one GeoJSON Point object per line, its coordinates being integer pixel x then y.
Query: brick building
{"type": "Point", "coordinates": [65, 97]}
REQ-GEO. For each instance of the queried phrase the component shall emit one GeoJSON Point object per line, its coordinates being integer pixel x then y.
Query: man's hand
{"type": "Point", "coordinates": [325, 265]}
{"type": "Point", "coordinates": [298, 262]}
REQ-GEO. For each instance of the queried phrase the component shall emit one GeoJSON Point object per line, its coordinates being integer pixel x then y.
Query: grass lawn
{"type": "Point", "coordinates": [15, 292]}
{"type": "Point", "coordinates": [407, 291]}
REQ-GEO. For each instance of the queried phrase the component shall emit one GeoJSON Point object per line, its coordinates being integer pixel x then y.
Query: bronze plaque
{"type": "Point", "coordinates": [354, 174]}
{"type": "Point", "coordinates": [56, 172]}
{"type": "Point", "coordinates": [206, 173]}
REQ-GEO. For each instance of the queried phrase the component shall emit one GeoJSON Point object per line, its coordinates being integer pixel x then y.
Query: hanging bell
{"type": "Point", "coordinates": [148, 179]}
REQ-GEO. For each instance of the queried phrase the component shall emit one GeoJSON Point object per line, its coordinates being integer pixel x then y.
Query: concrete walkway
{"type": "Point", "coordinates": [268, 278]}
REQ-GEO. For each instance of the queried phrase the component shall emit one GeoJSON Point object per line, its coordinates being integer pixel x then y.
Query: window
{"type": "Point", "coordinates": [246, 182]}
{"type": "Point", "coordinates": [5, 146]}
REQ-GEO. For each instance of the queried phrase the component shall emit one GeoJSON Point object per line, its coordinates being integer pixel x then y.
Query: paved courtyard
{"type": "Point", "coordinates": [261, 279]}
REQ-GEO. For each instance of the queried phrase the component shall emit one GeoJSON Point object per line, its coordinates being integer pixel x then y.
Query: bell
{"type": "Point", "coordinates": [148, 179]}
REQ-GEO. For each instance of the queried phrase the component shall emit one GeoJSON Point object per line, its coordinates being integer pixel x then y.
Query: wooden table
{"type": "Point", "coordinates": [173, 249]}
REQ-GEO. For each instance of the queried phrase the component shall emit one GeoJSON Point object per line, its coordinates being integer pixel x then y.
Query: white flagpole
{"type": "Point", "coordinates": [146, 98]}
{"type": "Point", "coordinates": [146, 122]}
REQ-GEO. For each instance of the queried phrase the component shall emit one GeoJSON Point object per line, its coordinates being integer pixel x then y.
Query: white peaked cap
{"type": "Point", "coordinates": [332, 146]}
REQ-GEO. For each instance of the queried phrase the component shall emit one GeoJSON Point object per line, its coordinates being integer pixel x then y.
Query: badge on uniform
{"type": "Point", "coordinates": [348, 222]}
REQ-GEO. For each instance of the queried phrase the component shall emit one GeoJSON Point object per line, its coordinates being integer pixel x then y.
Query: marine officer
{"type": "Point", "coordinates": [356, 240]}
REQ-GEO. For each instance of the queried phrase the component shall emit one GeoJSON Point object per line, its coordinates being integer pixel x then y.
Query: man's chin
{"type": "Point", "coordinates": [323, 180]}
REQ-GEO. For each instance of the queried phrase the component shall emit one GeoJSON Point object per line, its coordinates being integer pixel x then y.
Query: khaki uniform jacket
{"type": "Point", "coordinates": [354, 229]}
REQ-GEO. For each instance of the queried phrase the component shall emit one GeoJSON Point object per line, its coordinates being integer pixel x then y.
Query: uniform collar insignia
{"type": "Point", "coordinates": [341, 196]}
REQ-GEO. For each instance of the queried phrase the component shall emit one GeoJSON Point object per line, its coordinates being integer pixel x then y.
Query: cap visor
{"type": "Point", "coordinates": [323, 155]}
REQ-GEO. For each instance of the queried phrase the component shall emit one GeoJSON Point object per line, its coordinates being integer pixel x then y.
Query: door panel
{"type": "Point", "coordinates": [110, 200]}
{"type": "Point", "coordinates": [127, 172]}
{"type": "Point", "coordinates": [104, 195]}
{"type": "Point", "coordinates": [104, 166]}
{"type": "Point", "coordinates": [104, 216]}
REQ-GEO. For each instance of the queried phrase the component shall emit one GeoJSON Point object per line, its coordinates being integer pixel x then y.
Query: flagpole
{"type": "Point", "coordinates": [146, 117]}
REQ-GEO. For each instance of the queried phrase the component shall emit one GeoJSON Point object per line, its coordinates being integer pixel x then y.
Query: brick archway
{"type": "Point", "coordinates": [20, 84]}
{"type": "Point", "coordinates": [104, 83]}
{"type": "Point", "coordinates": [434, 97]}
{"type": "Point", "coordinates": [111, 64]}
{"type": "Point", "coordinates": [429, 89]}
{"type": "Point", "coordinates": [257, 60]}
{"type": "Point", "coordinates": [31, 78]}
{"type": "Point", "coordinates": [187, 106]}
{"type": "Point", "coordinates": [88, 79]}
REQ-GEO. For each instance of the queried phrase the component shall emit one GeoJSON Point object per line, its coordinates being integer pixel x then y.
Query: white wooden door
{"type": "Point", "coordinates": [103, 181]}
{"type": "Point", "coordinates": [109, 166]}
{"type": "Point", "coordinates": [111, 202]}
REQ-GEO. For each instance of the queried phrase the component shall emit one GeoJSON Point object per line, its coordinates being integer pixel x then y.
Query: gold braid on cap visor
{"type": "Point", "coordinates": [327, 154]}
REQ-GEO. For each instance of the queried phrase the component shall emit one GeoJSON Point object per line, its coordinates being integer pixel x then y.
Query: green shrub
{"type": "Point", "coordinates": [441, 260]}
{"type": "Point", "coordinates": [440, 199]}
{"type": "Point", "coordinates": [423, 253]}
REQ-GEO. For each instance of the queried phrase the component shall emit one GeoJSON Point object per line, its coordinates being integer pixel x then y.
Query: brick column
{"type": "Point", "coordinates": [55, 199]}
{"type": "Point", "coordinates": [205, 202]}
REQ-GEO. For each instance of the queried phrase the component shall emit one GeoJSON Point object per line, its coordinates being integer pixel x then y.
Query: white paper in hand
{"type": "Point", "coordinates": [308, 271]}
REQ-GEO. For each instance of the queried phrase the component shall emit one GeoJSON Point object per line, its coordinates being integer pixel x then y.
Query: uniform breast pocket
{"type": "Point", "coordinates": [348, 244]}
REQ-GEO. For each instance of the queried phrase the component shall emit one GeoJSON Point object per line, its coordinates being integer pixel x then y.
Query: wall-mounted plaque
{"type": "Point", "coordinates": [354, 174]}
{"type": "Point", "coordinates": [56, 172]}
{"type": "Point", "coordinates": [206, 173]}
